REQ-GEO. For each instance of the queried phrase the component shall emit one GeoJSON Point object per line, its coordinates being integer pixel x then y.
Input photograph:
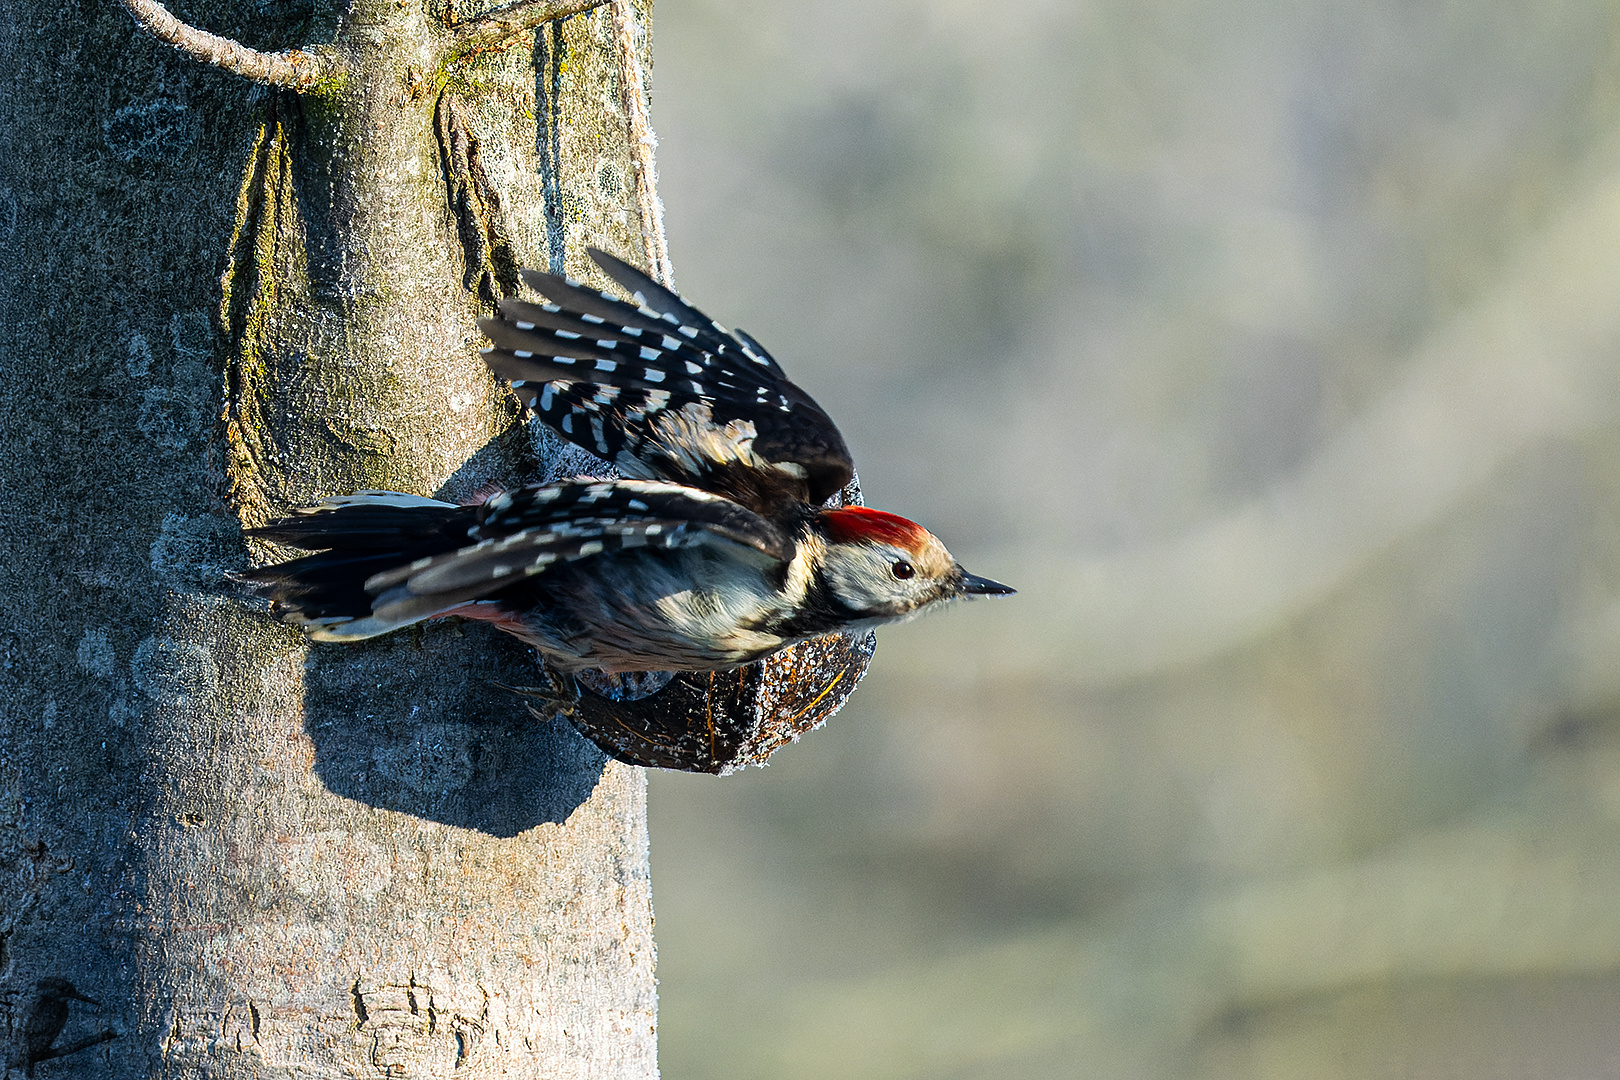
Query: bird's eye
{"type": "Point", "coordinates": [903, 570]}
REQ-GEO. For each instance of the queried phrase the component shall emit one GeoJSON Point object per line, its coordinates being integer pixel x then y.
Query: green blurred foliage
{"type": "Point", "coordinates": [1270, 351]}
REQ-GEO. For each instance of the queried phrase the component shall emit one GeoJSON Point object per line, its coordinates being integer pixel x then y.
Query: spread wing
{"type": "Point", "coordinates": [664, 392]}
{"type": "Point", "coordinates": [417, 569]}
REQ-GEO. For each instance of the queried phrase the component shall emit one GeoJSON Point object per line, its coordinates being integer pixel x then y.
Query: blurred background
{"type": "Point", "coordinates": [1273, 353]}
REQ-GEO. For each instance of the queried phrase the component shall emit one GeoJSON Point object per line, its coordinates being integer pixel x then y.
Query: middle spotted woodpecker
{"type": "Point", "coordinates": [724, 541]}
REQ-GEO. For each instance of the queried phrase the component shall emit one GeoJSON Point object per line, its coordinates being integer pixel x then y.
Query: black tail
{"type": "Point", "coordinates": [353, 538]}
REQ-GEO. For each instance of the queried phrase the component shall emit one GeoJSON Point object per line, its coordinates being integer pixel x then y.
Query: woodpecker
{"type": "Point", "coordinates": [42, 1021]}
{"type": "Point", "coordinates": [723, 539]}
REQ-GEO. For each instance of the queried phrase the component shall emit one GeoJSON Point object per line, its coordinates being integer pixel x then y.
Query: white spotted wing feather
{"type": "Point", "coordinates": [664, 392]}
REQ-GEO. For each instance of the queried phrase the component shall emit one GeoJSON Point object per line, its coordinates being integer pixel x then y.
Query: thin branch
{"type": "Point", "coordinates": [497, 27]}
{"type": "Point", "coordinates": [294, 69]}
{"type": "Point", "coordinates": [642, 141]}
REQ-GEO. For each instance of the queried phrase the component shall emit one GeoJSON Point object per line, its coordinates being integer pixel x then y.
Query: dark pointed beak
{"type": "Point", "coordinates": [76, 996]}
{"type": "Point", "coordinates": [973, 585]}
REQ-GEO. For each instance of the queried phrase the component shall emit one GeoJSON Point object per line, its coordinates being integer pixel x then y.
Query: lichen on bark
{"type": "Point", "coordinates": [263, 858]}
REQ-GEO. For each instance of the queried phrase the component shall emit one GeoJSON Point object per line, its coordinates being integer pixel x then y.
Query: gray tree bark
{"type": "Point", "coordinates": [219, 301]}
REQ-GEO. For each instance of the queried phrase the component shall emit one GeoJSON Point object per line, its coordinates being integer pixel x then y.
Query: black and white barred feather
{"type": "Point", "coordinates": [403, 558]}
{"type": "Point", "coordinates": [721, 545]}
{"type": "Point", "coordinates": [664, 392]}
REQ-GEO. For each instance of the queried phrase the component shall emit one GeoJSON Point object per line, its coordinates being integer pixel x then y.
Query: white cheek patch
{"type": "Point", "coordinates": [860, 576]}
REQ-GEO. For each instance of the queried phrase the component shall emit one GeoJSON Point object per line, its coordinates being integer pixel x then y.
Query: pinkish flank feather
{"type": "Point", "coordinates": [483, 494]}
{"type": "Point", "coordinates": [855, 523]}
{"type": "Point", "coordinates": [499, 614]}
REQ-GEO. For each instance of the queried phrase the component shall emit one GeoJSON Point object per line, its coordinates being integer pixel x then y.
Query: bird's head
{"type": "Point", "coordinates": [886, 567]}
{"type": "Point", "coordinates": [53, 987]}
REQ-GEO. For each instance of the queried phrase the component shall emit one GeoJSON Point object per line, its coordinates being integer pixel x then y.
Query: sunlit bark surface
{"type": "Point", "coordinates": [220, 301]}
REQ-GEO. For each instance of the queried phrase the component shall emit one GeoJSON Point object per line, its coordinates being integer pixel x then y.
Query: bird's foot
{"type": "Point", "coordinates": [557, 699]}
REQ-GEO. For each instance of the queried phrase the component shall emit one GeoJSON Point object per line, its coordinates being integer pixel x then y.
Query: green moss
{"type": "Point", "coordinates": [334, 83]}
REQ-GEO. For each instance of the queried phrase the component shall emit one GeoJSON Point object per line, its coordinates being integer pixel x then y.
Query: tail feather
{"type": "Point", "coordinates": [371, 519]}
{"type": "Point", "coordinates": [352, 539]}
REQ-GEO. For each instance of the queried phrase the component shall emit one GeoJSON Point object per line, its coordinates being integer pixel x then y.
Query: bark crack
{"type": "Point", "coordinates": [491, 266]}
{"type": "Point", "coordinates": [248, 299]}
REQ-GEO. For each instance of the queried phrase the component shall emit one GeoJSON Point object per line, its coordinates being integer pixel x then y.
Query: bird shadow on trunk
{"type": "Point", "coordinates": [465, 752]}
{"type": "Point", "coordinates": [419, 721]}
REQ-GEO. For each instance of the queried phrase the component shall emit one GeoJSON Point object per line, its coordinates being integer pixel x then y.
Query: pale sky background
{"type": "Point", "coordinates": [1273, 353]}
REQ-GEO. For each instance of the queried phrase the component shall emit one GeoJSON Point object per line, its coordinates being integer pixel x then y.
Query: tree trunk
{"type": "Point", "coordinates": [221, 301]}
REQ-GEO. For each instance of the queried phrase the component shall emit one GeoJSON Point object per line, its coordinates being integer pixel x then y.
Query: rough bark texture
{"type": "Point", "coordinates": [218, 302]}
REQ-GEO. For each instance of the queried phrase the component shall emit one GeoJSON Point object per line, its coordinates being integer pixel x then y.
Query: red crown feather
{"type": "Point", "coordinates": [852, 524]}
